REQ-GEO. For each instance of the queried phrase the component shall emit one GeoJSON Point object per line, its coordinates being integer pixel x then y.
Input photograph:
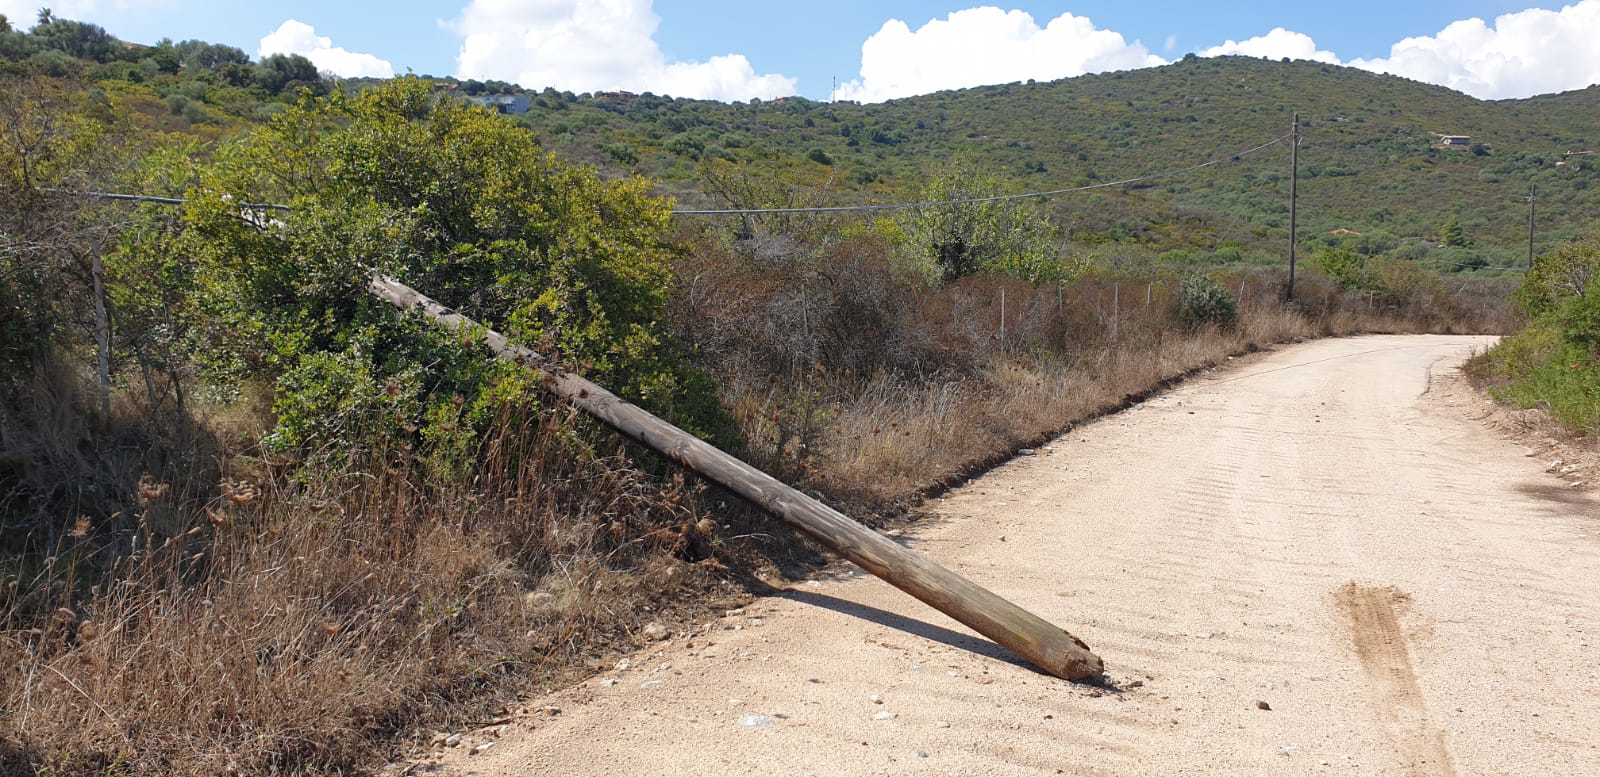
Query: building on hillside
{"type": "Point", "coordinates": [1454, 141]}
{"type": "Point", "coordinates": [514, 104]}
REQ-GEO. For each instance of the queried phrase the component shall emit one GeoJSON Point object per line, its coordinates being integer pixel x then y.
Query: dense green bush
{"type": "Point", "coordinates": [972, 227]}
{"type": "Point", "coordinates": [1555, 362]}
{"type": "Point", "coordinates": [1201, 301]}
{"type": "Point", "coordinates": [465, 206]}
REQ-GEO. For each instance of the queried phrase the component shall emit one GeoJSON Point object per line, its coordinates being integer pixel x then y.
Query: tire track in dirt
{"type": "Point", "coordinates": [1371, 614]}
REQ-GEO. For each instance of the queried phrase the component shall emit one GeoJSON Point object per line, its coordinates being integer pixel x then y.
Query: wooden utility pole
{"type": "Point", "coordinates": [1531, 198]}
{"type": "Point", "coordinates": [1051, 649]}
{"type": "Point", "coordinates": [1294, 194]}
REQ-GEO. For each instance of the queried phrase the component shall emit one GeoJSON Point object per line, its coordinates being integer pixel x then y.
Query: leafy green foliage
{"type": "Point", "coordinates": [962, 236]}
{"type": "Point", "coordinates": [1345, 267]}
{"type": "Point", "coordinates": [460, 203]}
{"type": "Point", "coordinates": [1555, 362]}
{"type": "Point", "coordinates": [1556, 277]}
{"type": "Point", "coordinates": [1202, 302]}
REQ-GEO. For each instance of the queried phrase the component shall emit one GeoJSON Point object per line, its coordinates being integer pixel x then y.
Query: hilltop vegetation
{"type": "Point", "coordinates": [1369, 163]}
{"type": "Point", "coordinates": [254, 521]}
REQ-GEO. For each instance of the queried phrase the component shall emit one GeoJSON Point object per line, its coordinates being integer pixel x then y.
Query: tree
{"type": "Point", "coordinates": [1568, 272]}
{"type": "Point", "coordinates": [165, 58]}
{"type": "Point", "coordinates": [972, 227]}
{"type": "Point", "coordinates": [741, 186]}
{"type": "Point", "coordinates": [1453, 235]}
{"type": "Point", "coordinates": [49, 243]}
{"type": "Point", "coordinates": [200, 55]}
{"type": "Point", "coordinates": [285, 73]}
{"type": "Point", "coordinates": [77, 39]}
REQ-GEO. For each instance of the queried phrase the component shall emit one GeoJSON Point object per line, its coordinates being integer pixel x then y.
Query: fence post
{"type": "Point", "coordinates": [102, 329]}
{"type": "Point", "coordinates": [1002, 318]}
{"type": "Point", "coordinates": [1116, 308]}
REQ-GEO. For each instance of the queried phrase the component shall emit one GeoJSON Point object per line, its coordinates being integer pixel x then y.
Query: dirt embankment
{"type": "Point", "coordinates": [1317, 562]}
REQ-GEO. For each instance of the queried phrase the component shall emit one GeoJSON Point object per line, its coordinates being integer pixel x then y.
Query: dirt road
{"type": "Point", "coordinates": [1316, 562]}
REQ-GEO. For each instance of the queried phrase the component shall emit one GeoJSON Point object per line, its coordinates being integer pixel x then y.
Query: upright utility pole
{"type": "Point", "coordinates": [1294, 194]}
{"type": "Point", "coordinates": [1531, 198]}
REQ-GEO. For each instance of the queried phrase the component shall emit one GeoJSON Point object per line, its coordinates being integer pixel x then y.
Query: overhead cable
{"type": "Point", "coordinates": [974, 200]}
{"type": "Point", "coordinates": [759, 211]}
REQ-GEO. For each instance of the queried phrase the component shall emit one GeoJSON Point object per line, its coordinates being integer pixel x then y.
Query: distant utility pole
{"type": "Point", "coordinates": [1531, 198]}
{"type": "Point", "coordinates": [1294, 194]}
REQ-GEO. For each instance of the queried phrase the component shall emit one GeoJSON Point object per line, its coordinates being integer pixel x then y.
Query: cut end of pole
{"type": "Point", "coordinates": [1076, 663]}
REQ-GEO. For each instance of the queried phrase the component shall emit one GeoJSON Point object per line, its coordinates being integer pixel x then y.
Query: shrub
{"type": "Point", "coordinates": [1202, 302]}
{"type": "Point", "coordinates": [971, 231]}
{"type": "Point", "coordinates": [1555, 362]}
{"type": "Point", "coordinates": [462, 204]}
{"type": "Point", "coordinates": [1344, 266]}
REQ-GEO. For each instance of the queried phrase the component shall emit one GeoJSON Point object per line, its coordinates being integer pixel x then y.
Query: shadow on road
{"type": "Point", "coordinates": [971, 644]}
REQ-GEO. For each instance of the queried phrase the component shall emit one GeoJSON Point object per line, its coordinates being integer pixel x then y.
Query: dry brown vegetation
{"type": "Point", "coordinates": [876, 389]}
{"type": "Point", "coordinates": [238, 617]}
{"type": "Point", "coordinates": [282, 626]}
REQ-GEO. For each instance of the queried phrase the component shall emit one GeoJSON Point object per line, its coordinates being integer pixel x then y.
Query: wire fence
{"type": "Point", "coordinates": [837, 209]}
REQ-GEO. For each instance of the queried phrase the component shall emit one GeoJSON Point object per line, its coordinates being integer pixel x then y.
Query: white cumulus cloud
{"type": "Point", "coordinates": [1277, 44]}
{"type": "Point", "coordinates": [297, 37]}
{"type": "Point", "coordinates": [986, 45]}
{"type": "Point", "coordinates": [1525, 53]}
{"type": "Point", "coordinates": [595, 45]}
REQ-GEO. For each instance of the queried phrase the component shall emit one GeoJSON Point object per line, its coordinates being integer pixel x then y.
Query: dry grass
{"type": "Point", "coordinates": [876, 390]}
{"type": "Point", "coordinates": [301, 629]}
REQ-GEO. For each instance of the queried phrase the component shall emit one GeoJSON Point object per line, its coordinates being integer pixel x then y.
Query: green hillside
{"type": "Point", "coordinates": [1368, 162]}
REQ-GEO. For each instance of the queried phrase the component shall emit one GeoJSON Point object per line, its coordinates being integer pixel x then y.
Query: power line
{"type": "Point", "coordinates": [153, 200]}
{"type": "Point", "coordinates": [140, 198]}
{"type": "Point", "coordinates": [760, 211]}
{"type": "Point", "coordinates": [975, 200]}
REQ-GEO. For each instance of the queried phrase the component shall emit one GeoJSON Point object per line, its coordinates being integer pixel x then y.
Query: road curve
{"type": "Point", "coordinates": [1315, 562]}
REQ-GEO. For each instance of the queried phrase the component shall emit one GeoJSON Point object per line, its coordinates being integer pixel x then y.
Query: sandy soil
{"type": "Point", "coordinates": [1316, 562]}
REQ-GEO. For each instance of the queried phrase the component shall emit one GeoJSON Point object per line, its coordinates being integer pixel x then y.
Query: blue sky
{"type": "Point", "coordinates": [721, 49]}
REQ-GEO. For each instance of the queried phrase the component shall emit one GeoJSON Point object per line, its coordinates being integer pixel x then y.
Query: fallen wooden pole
{"type": "Point", "coordinates": [1029, 636]}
